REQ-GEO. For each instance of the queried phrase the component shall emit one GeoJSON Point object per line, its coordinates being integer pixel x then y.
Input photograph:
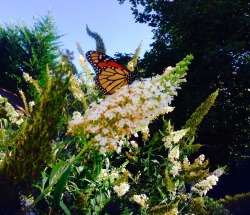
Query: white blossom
{"type": "Point", "coordinates": [134, 144]}
{"type": "Point", "coordinates": [31, 103]}
{"type": "Point", "coordinates": [218, 172]}
{"type": "Point", "coordinates": [121, 189]}
{"type": "Point", "coordinates": [75, 88]}
{"type": "Point", "coordinates": [14, 116]}
{"type": "Point", "coordinates": [175, 168]}
{"type": "Point", "coordinates": [141, 200]}
{"type": "Point", "coordinates": [200, 159]}
{"type": "Point", "coordinates": [76, 119]}
{"type": "Point", "coordinates": [174, 137]}
{"type": "Point", "coordinates": [128, 111]}
{"type": "Point", "coordinates": [202, 187]}
{"type": "Point", "coordinates": [27, 77]}
{"type": "Point", "coordinates": [174, 154]}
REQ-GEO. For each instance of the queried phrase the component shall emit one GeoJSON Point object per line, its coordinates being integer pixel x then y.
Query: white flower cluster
{"type": "Point", "coordinates": [105, 173]}
{"type": "Point", "coordinates": [169, 141]}
{"type": "Point", "coordinates": [175, 168]}
{"type": "Point", "coordinates": [202, 187]}
{"type": "Point", "coordinates": [77, 118]}
{"type": "Point", "coordinates": [174, 137]}
{"type": "Point", "coordinates": [31, 104]}
{"type": "Point", "coordinates": [75, 88]}
{"type": "Point", "coordinates": [200, 159]}
{"type": "Point", "coordinates": [12, 114]}
{"type": "Point", "coordinates": [113, 175]}
{"type": "Point", "coordinates": [127, 111]}
{"type": "Point", "coordinates": [133, 144]}
{"type": "Point", "coordinates": [121, 189]}
{"type": "Point", "coordinates": [141, 200]}
{"type": "Point", "coordinates": [27, 77]}
{"type": "Point", "coordinates": [173, 156]}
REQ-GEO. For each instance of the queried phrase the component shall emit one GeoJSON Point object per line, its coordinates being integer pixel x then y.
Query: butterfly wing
{"type": "Point", "coordinates": [110, 75]}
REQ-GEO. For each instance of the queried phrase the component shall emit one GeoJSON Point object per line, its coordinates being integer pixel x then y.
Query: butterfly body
{"type": "Point", "coordinates": [110, 75]}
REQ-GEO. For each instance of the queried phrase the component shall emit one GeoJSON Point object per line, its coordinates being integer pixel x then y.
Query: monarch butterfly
{"type": "Point", "coordinates": [110, 75]}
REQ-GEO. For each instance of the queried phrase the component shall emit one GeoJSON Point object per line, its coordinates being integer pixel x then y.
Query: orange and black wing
{"type": "Point", "coordinates": [110, 75]}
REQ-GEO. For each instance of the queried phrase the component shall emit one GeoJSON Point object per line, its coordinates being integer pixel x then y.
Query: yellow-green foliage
{"type": "Point", "coordinates": [197, 207]}
{"type": "Point", "coordinates": [194, 121]}
{"type": "Point", "coordinates": [169, 183]}
{"type": "Point", "coordinates": [167, 209]}
{"type": "Point", "coordinates": [133, 62]}
{"type": "Point", "coordinates": [238, 204]}
{"type": "Point", "coordinates": [32, 142]}
{"type": "Point", "coordinates": [196, 172]}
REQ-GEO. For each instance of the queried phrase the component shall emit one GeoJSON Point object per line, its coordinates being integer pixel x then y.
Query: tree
{"type": "Point", "coordinates": [24, 49]}
{"type": "Point", "coordinates": [217, 34]}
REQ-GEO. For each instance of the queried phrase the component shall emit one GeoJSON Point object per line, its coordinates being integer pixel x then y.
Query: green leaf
{"type": "Point", "coordinates": [60, 186]}
{"type": "Point", "coordinates": [44, 180]}
{"type": "Point", "coordinates": [97, 164]}
{"type": "Point", "coordinates": [64, 208]}
{"type": "Point", "coordinates": [80, 169]}
{"type": "Point", "coordinates": [56, 170]}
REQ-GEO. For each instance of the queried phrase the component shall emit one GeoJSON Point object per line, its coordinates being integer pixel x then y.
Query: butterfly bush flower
{"type": "Point", "coordinates": [111, 175]}
{"type": "Point", "coordinates": [27, 77]}
{"type": "Point", "coordinates": [202, 187]}
{"type": "Point", "coordinates": [31, 104]}
{"type": "Point", "coordinates": [174, 154]}
{"type": "Point", "coordinates": [75, 88]}
{"type": "Point", "coordinates": [218, 172]}
{"type": "Point", "coordinates": [14, 116]}
{"type": "Point", "coordinates": [175, 168]}
{"type": "Point", "coordinates": [76, 119]}
{"type": "Point", "coordinates": [88, 79]}
{"type": "Point", "coordinates": [174, 137]}
{"type": "Point", "coordinates": [200, 159]}
{"type": "Point", "coordinates": [134, 144]}
{"type": "Point", "coordinates": [141, 200]}
{"type": "Point", "coordinates": [121, 189]}
{"type": "Point", "coordinates": [115, 173]}
{"type": "Point", "coordinates": [128, 111]}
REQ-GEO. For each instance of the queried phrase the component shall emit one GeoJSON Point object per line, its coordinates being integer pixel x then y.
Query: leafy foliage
{"type": "Point", "coordinates": [97, 166]}
{"type": "Point", "coordinates": [27, 49]}
{"type": "Point", "coordinates": [30, 148]}
{"type": "Point", "coordinates": [217, 34]}
{"type": "Point", "coordinates": [77, 179]}
{"type": "Point", "coordinates": [238, 204]}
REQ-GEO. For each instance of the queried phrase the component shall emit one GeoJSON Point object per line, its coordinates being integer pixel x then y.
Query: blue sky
{"type": "Point", "coordinates": [114, 22]}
